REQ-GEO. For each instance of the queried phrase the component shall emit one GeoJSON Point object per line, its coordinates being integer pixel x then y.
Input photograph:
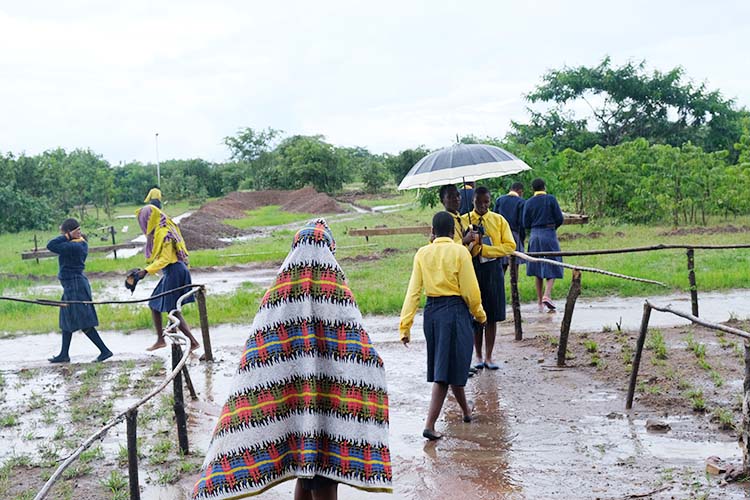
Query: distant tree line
{"type": "Point", "coordinates": [652, 147]}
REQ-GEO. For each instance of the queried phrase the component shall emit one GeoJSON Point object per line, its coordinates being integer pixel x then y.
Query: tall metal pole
{"type": "Point", "coordinates": [158, 168]}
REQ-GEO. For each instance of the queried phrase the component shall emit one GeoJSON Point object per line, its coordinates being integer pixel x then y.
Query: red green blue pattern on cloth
{"type": "Point", "coordinates": [309, 397]}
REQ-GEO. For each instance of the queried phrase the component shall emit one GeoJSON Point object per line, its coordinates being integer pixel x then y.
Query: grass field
{"type": "Point", "coordinates": [378, 272]}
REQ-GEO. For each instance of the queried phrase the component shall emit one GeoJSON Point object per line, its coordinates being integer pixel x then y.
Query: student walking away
{"type": "Point", "coordinates": [309, 399]}
{"type": "Point", "coordinates": [444, 271]}
{"type": "Point", "coordinates": [467, 198]}
{"type": "Point", "coordinates": [496, 240]}
{"type": "Point", "coordinates": [510, 206]}
{"type": "Point", "coordinates": [72, 250]}
{"type": "Point", "coordinates": [154, 196]}
{"type": "Point", "coordinates": [165, 251]}
{"type": "Point", "coordinates": [542, 214]}
{"type": "Point", "coordinates": [451, 200]}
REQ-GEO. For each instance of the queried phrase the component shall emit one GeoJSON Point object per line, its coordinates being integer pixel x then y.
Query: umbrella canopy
{"type": "Point", "coordinates": [462, 162]}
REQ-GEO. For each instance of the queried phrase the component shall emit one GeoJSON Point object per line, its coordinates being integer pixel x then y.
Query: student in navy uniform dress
{"type": "Point", "coordinates": [543, 216]}
{"type": "Point", "coordinates": [510, 206]}
{"type": "Point", "coordinates": [72, 251]}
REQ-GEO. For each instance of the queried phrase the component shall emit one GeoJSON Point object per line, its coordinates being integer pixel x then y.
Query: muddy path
{"type": "Point", "coordinates": [539, 432]}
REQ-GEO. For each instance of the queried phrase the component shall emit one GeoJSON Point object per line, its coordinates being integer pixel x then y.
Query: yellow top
{"type": "Point", "coordinates": [442, 269]}
{"type": "Point", "coordinates": [167, 255]}
{"type": "Point", "coordinates": [498, 229]}
{"type": "Point", "coordinates": [154, 194]}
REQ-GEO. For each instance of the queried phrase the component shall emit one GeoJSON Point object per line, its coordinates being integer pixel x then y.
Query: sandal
{"type": "Point", "coordinates": [548, 302]}
{"type": "Point", "coordinates": [431, 435]}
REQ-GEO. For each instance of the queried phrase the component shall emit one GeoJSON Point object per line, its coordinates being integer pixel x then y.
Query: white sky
{"type": "Point", "coordinates": [386, 75]}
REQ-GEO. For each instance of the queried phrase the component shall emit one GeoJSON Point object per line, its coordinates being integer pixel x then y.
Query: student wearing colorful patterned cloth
{"type": "Point", "coordinates": [309, 400]}
{"type": "Point", "coordinates": [496, 241]}
{"type": "Point", "coordinates": [72, 250]}
{"type": "Point", "coordinates": [444, 271]}
{"type": "Point", "coordinates": [165, 251]}
{"type": "Point", "coordinates": [542, 214]}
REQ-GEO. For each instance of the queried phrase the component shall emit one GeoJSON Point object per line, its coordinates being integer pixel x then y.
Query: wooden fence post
{"type": "Point", "coordinates": [200, 297]}
{"type": "Point", "coordinates": [745, 429]}
{"type": "Point", "coordinates": [570, 303]}
{"type": "Point", "coordinates": [515, 297]}
{"type": "Point", "coordinates": [131, 419]}
{"type": "Point", "coordinates": [691, 279]}
{"type": "Point", "coordinates": [637, 357]}
{"type": "Point", "coordinates": [179, 401]}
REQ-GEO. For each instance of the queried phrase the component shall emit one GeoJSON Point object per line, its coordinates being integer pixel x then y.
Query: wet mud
{"type": "Point", "coordinates": [539, 431]}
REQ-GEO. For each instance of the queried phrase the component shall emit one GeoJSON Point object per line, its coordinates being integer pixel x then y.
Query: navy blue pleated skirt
{"type": "Point", "coordinates": [173, 276]}
{"type": "Point", "coordinates": [450, 340]}
{"type": "Point", "coordinates": [492, 287]}
{"type": "Point", "coordinates": [77, 316]}
{"type": "Point", "coordinates": [544, 240]}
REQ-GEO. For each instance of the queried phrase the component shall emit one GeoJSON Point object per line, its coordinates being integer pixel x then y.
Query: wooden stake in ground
{"type": "Point", "coordinates": [570, 304]}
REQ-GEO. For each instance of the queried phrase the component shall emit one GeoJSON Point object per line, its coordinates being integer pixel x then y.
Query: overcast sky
{"type": "Point", "coordinates": [386, 75]}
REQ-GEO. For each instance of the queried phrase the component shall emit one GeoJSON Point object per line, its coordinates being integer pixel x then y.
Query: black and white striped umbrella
{"type": "Point", "coordinates": [462, 162]}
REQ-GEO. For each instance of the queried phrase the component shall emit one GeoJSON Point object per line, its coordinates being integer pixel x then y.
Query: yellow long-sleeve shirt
{"type": "Point", "coordinates": [154, 194]}
{"type": "Point", "coordinates": [442, 269]}
{"type": "Point", "coordinates": [168, 255]}
{"type": "Point", "coordinates": [498, 229]}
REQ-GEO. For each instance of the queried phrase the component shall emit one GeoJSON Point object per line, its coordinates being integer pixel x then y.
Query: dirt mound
{"type": "Point", "coordinates": [205, 226]}
{"type": "Point", "coordinates": [574, 236]}
{"type": "Point", "coordinates": [706, 230]}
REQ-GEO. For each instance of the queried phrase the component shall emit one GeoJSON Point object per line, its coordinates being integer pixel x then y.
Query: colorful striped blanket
{"type": "Point", "coordinates": [309, 397]}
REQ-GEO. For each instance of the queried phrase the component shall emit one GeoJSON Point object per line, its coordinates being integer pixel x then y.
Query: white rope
{"type": "Point", "coordinates": [589, 269]}
{"type": "Point", "coordinates": [171, 332]}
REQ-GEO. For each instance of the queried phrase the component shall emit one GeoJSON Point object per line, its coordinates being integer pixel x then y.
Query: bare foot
{"type": "Point", "coordinates": [157, 345]}
{"type": "Point", "coordinates": [194, 346]}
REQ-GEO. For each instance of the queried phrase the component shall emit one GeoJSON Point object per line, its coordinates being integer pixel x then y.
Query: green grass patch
{"type": "Point", "coordinates": [271, 215]}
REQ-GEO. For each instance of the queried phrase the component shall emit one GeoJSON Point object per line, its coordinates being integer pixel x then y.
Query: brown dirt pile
{"type": "Point", "coordinates": [205, 226]}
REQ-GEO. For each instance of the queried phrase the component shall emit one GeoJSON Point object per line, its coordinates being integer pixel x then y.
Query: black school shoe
{"type": "Point", "coordinates": [59, 359]}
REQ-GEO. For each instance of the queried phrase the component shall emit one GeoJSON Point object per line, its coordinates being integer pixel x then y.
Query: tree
{"type": "Point", "coordinates": [307, 160]}
{"type": "Point", "coordinates": [248, 145]}
{"type": "Point", "coordinates": [400, 164]}
{"type": "Point", "coordinates": [626, 103]}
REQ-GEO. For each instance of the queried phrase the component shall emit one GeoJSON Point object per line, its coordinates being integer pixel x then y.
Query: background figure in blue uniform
{"type": "Point", "coordinates": [510, 206]}
{"type": "Point", "coordinates": [542, 214]}
{"type": "Point", "coordinates": [467, 198]}
{"type": "Point", "coordinates": [72, 251]}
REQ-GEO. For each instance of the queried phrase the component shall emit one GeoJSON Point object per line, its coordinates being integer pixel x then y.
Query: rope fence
{"type": "Point", "coordinates": [179, 359]}
{"type": "Point", "coordinates": [744, 431]}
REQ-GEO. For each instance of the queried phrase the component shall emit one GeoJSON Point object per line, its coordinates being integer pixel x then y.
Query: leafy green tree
{"type": "Point", "coordinates": [400, 164]}
{"type": "Point", "coordinates": [626, 103]}
{"type": "Point", "coordinates": [307, 160]}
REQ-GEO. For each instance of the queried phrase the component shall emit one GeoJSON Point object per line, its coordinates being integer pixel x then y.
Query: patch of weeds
{"type": "Point", "coordinates": [2, 380]}
{"type": "Point", "coordinates": [655, 342]}
{"type": "Point", "coordinates": [606, 329]}
{"type": "Point", "coordinates": [670, 373]}
{"type": "Point", "coordinates": [590, 346]}
{"type": "Point", "coordinates": [167, 477]}
{"type": "Point", "coordinates": [48, 454]}
{"type": "Point", "coordinates": [716, 378]}
{"type": "Point", "coordinates": [29, 436]}
{"type": "Point", "coordinates": [696, 399]}
{"type": "Point", "coordinates": [59, 433]}
{"type": "Point", "coordinates": [117, 484]}
{"type": "Point", "coordinates": [627, 354]}
{"type": "Point", "coordinates": [156, 368]}
{"type": "Point", "coordinates": [8, 420]}
{"type": "Point", "coordinates": [185, 466]}
{"type": "Point", "coordinates": [160, 451]}
{"type": "Point", "coordinates": [77, 470]}
{"type": "Point", "coordinates": [667, 475]}
{"type": "Point", "coordinates": [49, 416]}
{"type": "Point", "coordinates": [683, 384]}
{"type": "Point", "coordinates": [91, 454]}
{"type": "Point", "coordinates": [649, 388]}
{"type": "Point", "coordinates": [739, 351]}
{"type": "Point", "coordinates": [37, 401]}
{"type": "Point", "coordinates": [597, 362]}
{"type": "Point", "coordinates": [724, 418]}
{"type": "Point", "coordinates": [122, 382]}
{"type": "Point", "coordinates": [27, 373]}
